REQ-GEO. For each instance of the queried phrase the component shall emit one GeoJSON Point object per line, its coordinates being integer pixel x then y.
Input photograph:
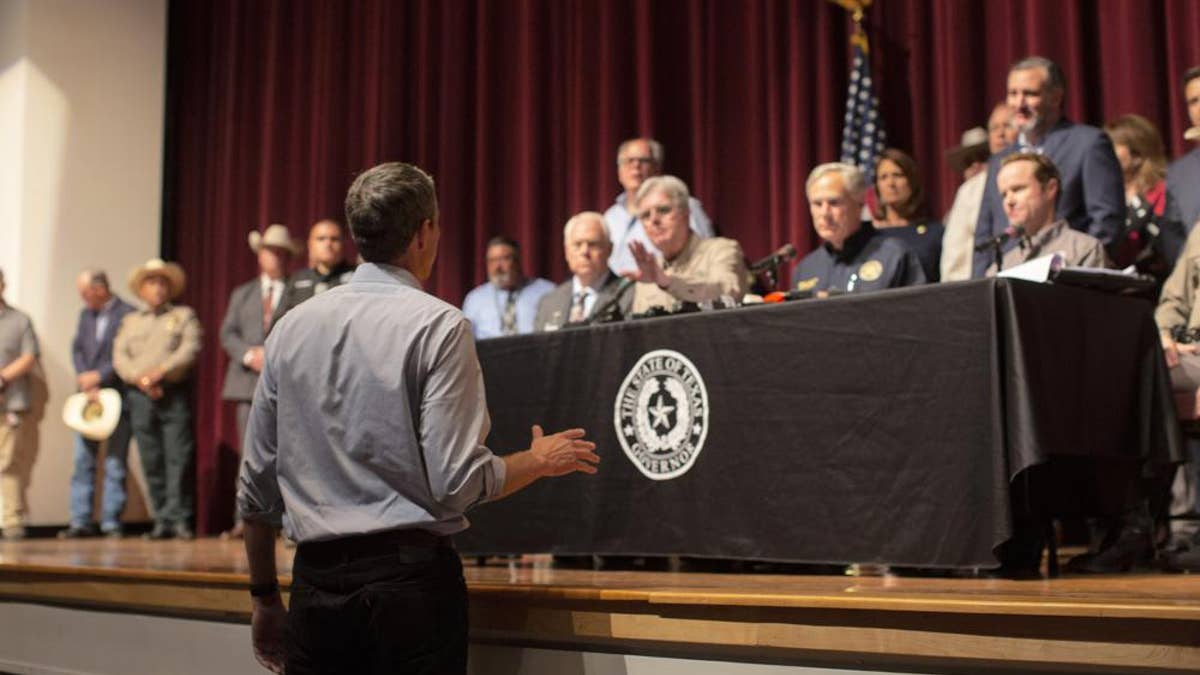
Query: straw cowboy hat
{"type": "Point", "coordinates": [974, 148]}
{"type": "Point", "coordinates": [94, 420]}
{"type": "Point", "coordinates": [275, 236]}
{"type": "Point", "coordinates": [173, 273]}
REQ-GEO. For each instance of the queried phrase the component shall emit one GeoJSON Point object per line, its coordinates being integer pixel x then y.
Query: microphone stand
{"type": "Point", "coordinates": [610, 310]}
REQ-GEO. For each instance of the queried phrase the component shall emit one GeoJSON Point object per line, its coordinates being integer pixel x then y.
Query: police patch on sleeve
{"type": "Point", "coordinates": [661, 414]}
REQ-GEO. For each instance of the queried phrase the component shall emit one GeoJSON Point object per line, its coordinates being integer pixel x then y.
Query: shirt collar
{"type": "Point", "coordinates": [595, 286]}
{"type": "Point", "coordinates": [1043, 236]}
{"type": "Point", "coordinates": [384, 273]}
{"type": "Point", "coordinates": [854, 243]}
{"type": "Point", "coordinates": [688, 250]}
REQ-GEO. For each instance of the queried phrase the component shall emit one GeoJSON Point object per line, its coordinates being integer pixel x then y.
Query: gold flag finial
{"type": "Point", "coordinates": [857, 8]}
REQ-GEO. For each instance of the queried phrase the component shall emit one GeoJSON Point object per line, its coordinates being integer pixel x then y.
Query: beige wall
{"type": "Point", "coordinates": [81, 124]}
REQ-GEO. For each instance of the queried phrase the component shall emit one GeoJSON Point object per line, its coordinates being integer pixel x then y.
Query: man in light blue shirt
{"type": "Point", "coordinates": [508, 302]}
{"type": "Point", "coordinates": [637, 160]}
{"type": "Point", "coordinates": [365, 441]}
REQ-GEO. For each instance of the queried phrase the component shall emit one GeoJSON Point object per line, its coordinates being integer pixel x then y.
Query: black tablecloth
{"type": "Point", "coordinates": [887, 427]}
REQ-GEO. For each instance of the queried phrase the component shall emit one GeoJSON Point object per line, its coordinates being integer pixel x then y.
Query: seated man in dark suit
{"type": "Point", "coordinates": [1091, 196]}
{"type": "Point", "coordinates": [1183, 177]}
{"type": "Point", "coordinates": [592, 285]}
{"type": "Point", "coordinates": [852, 257]}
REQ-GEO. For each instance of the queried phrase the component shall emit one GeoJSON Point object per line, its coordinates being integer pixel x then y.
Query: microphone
{"type": "Point", "coordinates": [602, 312]}
{"type": "Point", "coordinates": [784, 254]}
{"type": "Point", "coordinates": [1002, 238]}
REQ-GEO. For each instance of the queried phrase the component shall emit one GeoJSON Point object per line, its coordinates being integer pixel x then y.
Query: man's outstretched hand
{"type": "Point", "coordinates": [564, 452]}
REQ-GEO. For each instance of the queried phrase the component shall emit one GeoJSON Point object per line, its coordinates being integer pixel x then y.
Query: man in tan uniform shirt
{"type": "Point", "coordinates": [154, 351]}
{"type": "Point", "coordinates": [1178, 319]}
{"type": "Point", "coordinates": [692, 269]}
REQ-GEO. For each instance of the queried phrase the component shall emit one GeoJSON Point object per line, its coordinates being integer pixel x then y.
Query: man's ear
{"type": "Point", "coordinates": [422, 238]}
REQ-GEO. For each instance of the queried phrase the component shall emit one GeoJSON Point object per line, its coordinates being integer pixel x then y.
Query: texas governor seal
{"type": "Point", "coordinates": [661, 414]}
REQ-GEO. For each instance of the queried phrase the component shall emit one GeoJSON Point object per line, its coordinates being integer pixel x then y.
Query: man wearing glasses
{"type": "Point", "coordinates": [686, 268]}
{"type": "Point", "coordinates": [637, 160]}
{"type": "Point", "coordinates": [850, 259]}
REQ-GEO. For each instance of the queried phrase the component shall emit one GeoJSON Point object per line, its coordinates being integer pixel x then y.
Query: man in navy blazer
{"type": "Point", "coordinates": [91, 351]}
{"type": "Point", "coordinates": [1092, 195]}
{"type": "Point", "coordinates": [1183, 176]}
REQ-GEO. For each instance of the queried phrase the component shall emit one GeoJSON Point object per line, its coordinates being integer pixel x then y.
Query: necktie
{"type": "Point", "coordinates": [268, 299]}
{"type": "Point", "coordinates": [508, 322]}
{"type": "Point", "coordinates": [577, 308]}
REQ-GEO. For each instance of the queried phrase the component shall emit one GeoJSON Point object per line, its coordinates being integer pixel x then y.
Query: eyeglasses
{"type": "Point", "coordinates": [661, 209]}
{"type": "Point", "coordinates": [630, 161]}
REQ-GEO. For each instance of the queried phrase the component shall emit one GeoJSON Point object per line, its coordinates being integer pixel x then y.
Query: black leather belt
{"type": "Point", "coordinates": [376, 543]}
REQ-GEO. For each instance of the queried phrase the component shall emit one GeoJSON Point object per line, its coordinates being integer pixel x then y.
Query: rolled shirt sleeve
{"type": "Point", "coordinates": [258, 494]}
{"type": "Point", "coordinates": [454, 422]}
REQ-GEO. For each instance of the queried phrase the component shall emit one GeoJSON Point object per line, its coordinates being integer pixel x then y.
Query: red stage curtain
{"type": "Point", "coordinates": [516, 108]}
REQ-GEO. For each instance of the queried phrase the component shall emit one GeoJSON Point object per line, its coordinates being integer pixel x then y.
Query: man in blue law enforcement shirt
{"type": "Point", "coordinates": [851, 258]}
{"type": "Point", "coordinates": [365, 441]}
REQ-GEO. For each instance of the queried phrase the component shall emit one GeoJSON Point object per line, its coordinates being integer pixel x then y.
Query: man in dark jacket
{"type": "Point", "coordinates": [91, 352]}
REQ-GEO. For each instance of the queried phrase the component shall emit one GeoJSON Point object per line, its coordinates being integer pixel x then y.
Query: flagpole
{"type": "Point", "coordinates": [863, 135]}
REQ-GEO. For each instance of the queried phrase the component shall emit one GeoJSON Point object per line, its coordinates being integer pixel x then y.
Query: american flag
{"type": "Point", "coordinates": [863, 137]}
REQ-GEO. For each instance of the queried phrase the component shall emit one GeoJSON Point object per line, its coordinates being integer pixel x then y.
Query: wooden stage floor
{"type": "Point", "coordinates": [1128, 623]}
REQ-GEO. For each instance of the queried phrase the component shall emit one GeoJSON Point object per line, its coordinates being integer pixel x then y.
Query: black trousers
{"type": "Point", "coordinates": [378, 604]}
{"type": "Point", "coordinates": [163, 430]}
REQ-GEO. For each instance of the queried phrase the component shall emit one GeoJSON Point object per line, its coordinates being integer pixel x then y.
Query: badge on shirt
{"type": "Point", "coordinates": [921, 229]}
{"type": "Point", "coordinates": [870, 270]}
{"type": "Point", "coordinates": [807, 284]}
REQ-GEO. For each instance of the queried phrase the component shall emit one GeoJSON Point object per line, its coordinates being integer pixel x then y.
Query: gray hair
{"type": "Point", "coordinates": [94, 276]}
{"type": "Point", "coordinates": [656, 149]}
{"type": "Point", "coordinates": [853, 180]}
{"type": "Point", "coordinates": [582, 216]}
{"type": "Point", "coordinates": [674, 188]}
{"type": "Point", "coordinates": [1054, 74]}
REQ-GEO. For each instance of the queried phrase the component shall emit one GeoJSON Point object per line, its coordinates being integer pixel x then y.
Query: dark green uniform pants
{"type": "Point", "coordinates": [163, 430]}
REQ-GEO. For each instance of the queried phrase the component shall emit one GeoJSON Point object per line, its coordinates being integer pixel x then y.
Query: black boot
{"type": "Point", "coordinates": [1129, 542]}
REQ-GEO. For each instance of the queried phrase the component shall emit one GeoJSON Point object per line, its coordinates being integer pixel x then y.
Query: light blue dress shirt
{"type": "Point", "coordinates": [484, 307]}
{"type": "Point", "coordinates": [369, 415]}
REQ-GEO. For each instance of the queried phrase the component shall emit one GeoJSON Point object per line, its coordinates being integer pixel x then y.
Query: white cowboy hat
{"type": "Point", "coordinates": [276, 236]}
{"type": "Point", "coordinates": [94, 420]}
{"type": "Point", "coordinates": [173, 273]}
{"type": "Point", "coordinates": [974, 146]}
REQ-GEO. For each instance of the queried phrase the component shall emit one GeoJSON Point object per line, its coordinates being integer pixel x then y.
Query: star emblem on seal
{"type": "Point", "coordinates": [661, 414]}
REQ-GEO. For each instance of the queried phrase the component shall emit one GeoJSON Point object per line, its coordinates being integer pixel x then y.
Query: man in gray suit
{"type": "Point", "coordinates": [1183, 177]}
{"type": "Point", "coordinates": [1092, 194]}
{"type": "Point", "coordinates": [592, 285]}
{"type": "Point", "coordinates": [253, 308]}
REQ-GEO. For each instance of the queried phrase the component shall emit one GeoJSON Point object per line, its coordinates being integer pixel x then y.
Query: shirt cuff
{"type": "Point", "coordinates": [495, 487]}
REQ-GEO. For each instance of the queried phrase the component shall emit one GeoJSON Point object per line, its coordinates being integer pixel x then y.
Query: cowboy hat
{"type": "Point", "coordinates": [973, 148]}
{"type": "Point", "coordinates": [170, 271]}
{"type": "Point", "coordinates": [94, 420]}
{"type": "Point", "coordinates": [275, 236]}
